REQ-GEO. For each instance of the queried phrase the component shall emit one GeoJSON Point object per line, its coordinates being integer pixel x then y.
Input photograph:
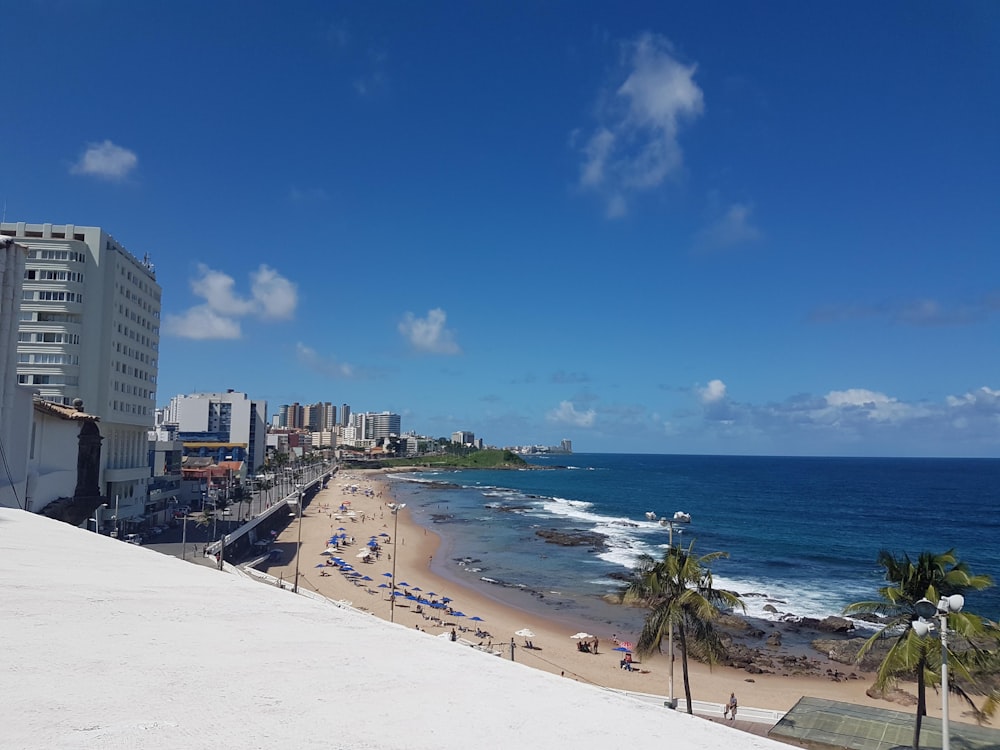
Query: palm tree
{"type": "Point", "coordinates": [205, 519]}
{"type": "Point", "coordinates": [678, 591]}
{"type": "Point", "coordinates": [930, 577]}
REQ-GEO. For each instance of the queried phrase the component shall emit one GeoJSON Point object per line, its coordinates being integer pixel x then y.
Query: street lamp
{"type": "Point", "coordinates": [394, 508]}
{"type": "Point", "coordinates": [926, 610]}
{"type": "Point", "coordinates": [97, 517]}
{"type": "Point", "coordinates": [678, 517]}
{"type": "Point", "coordinates": [298, 548]}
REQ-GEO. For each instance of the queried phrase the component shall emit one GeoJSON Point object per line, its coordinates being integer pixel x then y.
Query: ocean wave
{"type": "Point", "coordinates": [792, 599]}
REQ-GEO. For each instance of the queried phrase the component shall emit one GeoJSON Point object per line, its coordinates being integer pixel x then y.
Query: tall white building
{"type": "Point", "coordinates": [228, 417]}
{"type": "Point", "coordinates": [89, 328]}
{"type": "Point", "coordinates": [371, 426]}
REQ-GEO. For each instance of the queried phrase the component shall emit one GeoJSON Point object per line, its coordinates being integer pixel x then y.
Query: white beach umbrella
{"type": "Point", "coordinates": [582, 635]}
{"type": "Point", "coordinates": [525, 633]}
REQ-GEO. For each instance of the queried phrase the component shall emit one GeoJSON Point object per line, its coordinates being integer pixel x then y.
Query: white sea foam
{"type": "Point", "coordinates": [791, 600]}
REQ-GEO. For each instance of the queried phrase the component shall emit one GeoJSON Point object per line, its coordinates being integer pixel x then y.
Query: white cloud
{"type": "Point", "coordinates": [566, 413]}
{"type": "Point", "coordinates": [732, 228]}
{"type": "Point", "coordinates": [984, 398]}
{"type": "Point", "coordinates": [272, 297]}
{"type": "Point", "coordinates": [635, 146]}
{"type": "Point", "coordinates": [201, 323]}
{"type": "Point", "coordinates": [429, 334]}
{"type": "Point", "coordinates": [308, 357]}
{"type": "Point", "coordinates": [871, 405]}
{"type": "Point", "coordinates": [276, 296]}
{"type": "Point", "coordinates": [713, 392]}
{"type": "Point", "coordinates": [106, 160]}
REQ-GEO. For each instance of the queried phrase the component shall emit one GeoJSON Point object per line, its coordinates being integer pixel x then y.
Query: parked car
{"type": "Point", "coordinates": [133, 538]}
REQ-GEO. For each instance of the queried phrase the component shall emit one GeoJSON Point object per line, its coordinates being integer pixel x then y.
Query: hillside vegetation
{"type": "Point", "coordinates": [484, 459]}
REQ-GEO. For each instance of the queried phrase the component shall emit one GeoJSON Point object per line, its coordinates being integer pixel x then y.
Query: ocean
{"type": "Point", "coordinates": [802, 534]}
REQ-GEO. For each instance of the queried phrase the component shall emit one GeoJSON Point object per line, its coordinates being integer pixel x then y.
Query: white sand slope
{"type": "Point", "coordinates": [108, 645]}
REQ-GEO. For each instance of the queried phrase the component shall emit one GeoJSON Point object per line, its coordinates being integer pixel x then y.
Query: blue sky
{"type": "Point", "coordinates": [654, 227]}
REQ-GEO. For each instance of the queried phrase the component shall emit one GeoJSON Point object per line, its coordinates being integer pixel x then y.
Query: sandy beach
{"type": "Point", "coordinates": [411, 548]}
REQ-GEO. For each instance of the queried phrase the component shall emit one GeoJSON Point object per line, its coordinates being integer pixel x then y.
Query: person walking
{"type": "Point", "coordinates": [730, 708]}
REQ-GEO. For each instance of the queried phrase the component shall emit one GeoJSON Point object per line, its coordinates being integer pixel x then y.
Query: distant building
{"type": "Point", "coordinates": [371, 426]}
{"type": "Point", "coordinates": [89, 328]}
{"type": "Point", "coordinates": [226, 426]}
{"type": "Point", "coordinates": [462, 437]}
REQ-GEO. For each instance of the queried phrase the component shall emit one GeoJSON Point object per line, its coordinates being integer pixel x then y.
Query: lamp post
{"type": "Point", "coordinates": [669, 523]}
{"type": "Point", "coordinates": [926, 610]}
{"type": "Point", "coordinates": [298, 547]}
{"type": "Point", "coordinates": [394, 508]}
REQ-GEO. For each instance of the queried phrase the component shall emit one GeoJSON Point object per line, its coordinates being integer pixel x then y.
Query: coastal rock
{"type": "Point", "coordinates": [774, 640]}
{"type": "Point", "coordinates": [770, 608]}
{"type": "Point", "coordinates": [836, 625]}
{"type": "Point", "coordinates": [572, 538]}
{"type": "Point", "coordinates": [846, 652]}
{"type": "Point", "coordinates": [894, 695]}
{"type": "Point", "coordinates": [732, 622]}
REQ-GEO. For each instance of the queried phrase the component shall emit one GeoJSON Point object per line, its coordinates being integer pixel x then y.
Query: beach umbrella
{"type": "Point", "coordinates": [387, 575]}
{"type": "Point", "coordinates": [582, 635]}
{"type": "Point", "coordinates": [431, 593]}
{"type": "Point", "coordinates": [415, 588]}
{"type": "Point", "coordinates": [458, 614]}
{"type": "Point", "coordinates": [383, 534]}
{"type": "Point", "coordinates": [368, 578]}
{"type": "Point", "coordinates": [625, 644]}
{"type": "Point", "coordinates": [320, 565]}
{"type": "Point", "coordinates": [477, 618]}
{"type": "Point", "coordinates": [403, 583]}
{"type": "Point", "coordinates": [341, 528]}
{"type": "Point", "coordinates": [383, 585]}
{"type": "Point", "coordinates": [622, 648]}
{"type": "Point", "coordinates": [525, 633]}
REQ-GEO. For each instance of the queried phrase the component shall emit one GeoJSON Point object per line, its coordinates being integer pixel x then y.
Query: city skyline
{"type": "Point", "coordinates": [712, 229]}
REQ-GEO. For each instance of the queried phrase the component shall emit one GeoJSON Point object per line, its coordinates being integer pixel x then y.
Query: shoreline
{"type": "Point", "coordinates": [554, 650]}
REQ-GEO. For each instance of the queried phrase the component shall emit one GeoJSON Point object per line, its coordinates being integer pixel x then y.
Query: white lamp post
{"type": "Point", "coordinates": [926, 610]}
{"type": "Point", "coordinates": [669, 523]}
{"type": "Point", "coordinates": [395, 545]}
{"type": "Point", "coordinates": [298, 548]}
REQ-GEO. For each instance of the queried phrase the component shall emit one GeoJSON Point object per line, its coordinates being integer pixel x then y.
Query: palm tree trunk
{"type": "Point", "coordinates": [921, 704]}
{"type": "Point", "coordinates": [682, 637]}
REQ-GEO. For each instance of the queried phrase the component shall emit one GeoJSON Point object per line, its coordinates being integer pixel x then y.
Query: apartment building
{"type": "Point", "coordinates": [89, 328]}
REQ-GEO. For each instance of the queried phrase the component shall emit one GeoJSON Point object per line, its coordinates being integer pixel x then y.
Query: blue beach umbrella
{"type": "Point", "coordinates": [383, 585]}
{"type": "Point", "coordinates": [320, 565]}
{"type": "Point", "coordinates": [403, 583]}
{"type": "Point", "coordinates": [415, 588]}
{"type": "Point", "coordinates": [622, 648]}
{"type": "Point", "coordinates": [458, 614]}
{"type": "Point", "coordinates": [387, 575]}
{"type": "Point", "coordinates": [367, 578]}
{"type": "Point", "coordinates": [477, 618]}
{"type": "Point", "coordinates": [431, 593]}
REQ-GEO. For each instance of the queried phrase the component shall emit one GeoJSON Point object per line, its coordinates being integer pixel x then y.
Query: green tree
{"type": "Point", "coordinates": [930, 577]}
{"type": "Point", "coordinates": [679, 594]}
